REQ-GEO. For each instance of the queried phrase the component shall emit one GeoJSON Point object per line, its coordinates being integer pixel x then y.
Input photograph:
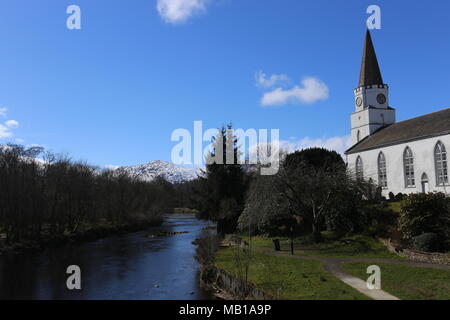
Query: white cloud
{"type": "Point", "coordinates": [5, 128]}
{"type": "Point", "coordinates": [178, 11]}
{"type": "Point", "coordinates": [312, 90]}
{"type": "Point", "coordinates": [267, 82]}
{"type": "Point", "coordinates": [339, 144]}
{"type": "Point", "coordinates": [12, 124]}
{"type": "Point", "coordinates": [4, 132]}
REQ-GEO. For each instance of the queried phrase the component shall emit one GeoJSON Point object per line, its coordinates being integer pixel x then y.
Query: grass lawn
{"type": "Point", "coordinates": [347, 247]}
{"type": "Point", "coordinates": [407, 282]}
{"type": "Point", "coordinates": [289, 278]}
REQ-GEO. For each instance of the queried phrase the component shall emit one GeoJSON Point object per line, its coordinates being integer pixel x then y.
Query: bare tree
{"type": "Point", "coordinates": [54, 196]}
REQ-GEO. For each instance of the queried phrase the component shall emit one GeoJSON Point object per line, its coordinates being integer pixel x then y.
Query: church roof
{"type": "Point", "coordinates": [429, 125]}
{"type": "Point", "coordinates": [370, 71]}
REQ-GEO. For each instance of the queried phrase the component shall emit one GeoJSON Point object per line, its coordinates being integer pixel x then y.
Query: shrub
{"type": "Point", "coordinates": [426, 213]}
{"type": "Point", "coordinates": [378, 194]}
{"type": "Point", "coordinates": [399, 197]}
{"type": "Point", "coordinates": [391, 196]}
{"type": "Point", "coordinates": [428, 242]}
{"type": "Point", "coordinates": [208, 244]}
{"type": "Point", "coordinates": [344, 217]}
{"type": "Point", "coordinates": [378, 230]}
{"type": "Point", "coordinates": [378, 219]}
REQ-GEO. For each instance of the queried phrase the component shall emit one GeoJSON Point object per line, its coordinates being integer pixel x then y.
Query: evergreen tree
{"type": "Point", "coordinates": [224, 183]}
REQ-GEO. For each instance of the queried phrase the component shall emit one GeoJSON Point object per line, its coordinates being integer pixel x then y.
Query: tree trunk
{"type": "Point", "coordinates": [317, 236]}
{"type": "Point", "coordinates": [292, 240]}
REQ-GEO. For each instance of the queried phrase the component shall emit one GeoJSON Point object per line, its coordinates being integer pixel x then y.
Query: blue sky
{"type": "Point", "coordinates": [113, 92]}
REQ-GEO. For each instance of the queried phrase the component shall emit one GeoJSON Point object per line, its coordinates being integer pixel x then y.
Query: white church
{"type": "Point", "coordinates": [408, 156]}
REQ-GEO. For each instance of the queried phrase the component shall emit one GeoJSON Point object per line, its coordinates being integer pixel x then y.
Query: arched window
{"type": "Point", "coordinates": [359, 168]}
{"type": "Point", "coordinates": [358, 136]}
{"type": "Point", "coordinates": [440, 163]}
{"type": "Point", "coordinates": [382, 174]}
{"type": "Point", "coordinates": [408, 165]}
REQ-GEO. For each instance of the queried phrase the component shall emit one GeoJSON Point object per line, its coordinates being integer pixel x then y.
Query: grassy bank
{"type": "Point", "coordinates": [287, 277]}
{"type": "Point", "coordinates": [351, 246]}
{"type": "Point", "coordinates": [407, 282]}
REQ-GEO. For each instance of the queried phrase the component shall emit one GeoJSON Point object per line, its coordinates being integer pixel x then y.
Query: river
{"type": "Point", "coordinates": [131, 266]}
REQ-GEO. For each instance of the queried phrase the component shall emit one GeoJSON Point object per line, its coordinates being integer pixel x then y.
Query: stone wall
{"type": "Point", "coordinates": [418, 256]}
{"type": "Point", "coordinates": [225, 285]}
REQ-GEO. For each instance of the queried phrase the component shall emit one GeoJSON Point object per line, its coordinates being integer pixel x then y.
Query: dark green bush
{"type": "Point", "coordinates": [426, 213]}
{"type": "Point", "coordinates": [391, 196]}
{"type": "Point", "coordinates": [427, 242]}
{"type": "Point", "coordinates": [377, 230]}
{"type": "Point", "coordinates": [377, 219]}
{"type": "Point", "coordinates": [399, 197]}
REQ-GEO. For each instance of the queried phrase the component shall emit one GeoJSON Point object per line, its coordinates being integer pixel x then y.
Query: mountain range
{"type": "Point", "coordinates": [161, 169]}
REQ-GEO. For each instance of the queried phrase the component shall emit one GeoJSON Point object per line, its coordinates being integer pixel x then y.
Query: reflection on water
{"type": "Point", "coordinates": [130, 266]}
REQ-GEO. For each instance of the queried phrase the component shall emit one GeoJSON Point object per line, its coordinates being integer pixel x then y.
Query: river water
{"type": "Point", "coordinates": [131, 266]}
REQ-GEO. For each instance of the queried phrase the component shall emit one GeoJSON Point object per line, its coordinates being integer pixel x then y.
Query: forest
{"type": "Point", "coordinates": [46, 197]}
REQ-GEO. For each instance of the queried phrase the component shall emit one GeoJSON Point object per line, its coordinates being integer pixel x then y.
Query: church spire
{"type": "Point", "coordinates": [370, 71]}
{"type": "Point", "coordinates": [372, 109]}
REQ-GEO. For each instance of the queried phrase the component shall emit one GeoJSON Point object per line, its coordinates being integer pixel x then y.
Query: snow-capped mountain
{"type": "Point", "coordinates": [163, 169]}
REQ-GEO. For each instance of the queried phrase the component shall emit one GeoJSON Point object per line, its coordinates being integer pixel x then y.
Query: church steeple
{"type": "Point", "coordinates": [370, 71]}
{"type": "Point", "coordinates": [372, 110]}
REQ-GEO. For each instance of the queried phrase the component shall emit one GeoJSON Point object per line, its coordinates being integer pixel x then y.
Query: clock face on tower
{"type": "Point", "coordinates": [381, 98]}
{"type": "Point", "coordinates": [359, 101]}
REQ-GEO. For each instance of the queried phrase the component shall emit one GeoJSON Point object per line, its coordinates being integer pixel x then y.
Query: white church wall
{"type": "Point", "coordinates": [423, 153]}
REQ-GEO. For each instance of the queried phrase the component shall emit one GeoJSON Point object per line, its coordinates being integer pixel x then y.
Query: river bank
{"type": "Point", "coordinates": [88, 233]}
{"type": "Point", "coordinates": [221, 283]}
{"type": "Point", "coordinates": [226, 286]}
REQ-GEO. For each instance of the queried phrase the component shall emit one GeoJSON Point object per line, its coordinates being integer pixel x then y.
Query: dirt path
{"type": "Point", "coordinates": [334, 266]}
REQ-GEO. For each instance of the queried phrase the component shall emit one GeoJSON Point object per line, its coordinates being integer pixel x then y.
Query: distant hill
{"type": "Point", "coordinates": [163, 169]}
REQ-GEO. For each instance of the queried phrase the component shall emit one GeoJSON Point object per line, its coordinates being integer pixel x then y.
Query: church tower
{"type": "Point", "coordinates": [372, 109]}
